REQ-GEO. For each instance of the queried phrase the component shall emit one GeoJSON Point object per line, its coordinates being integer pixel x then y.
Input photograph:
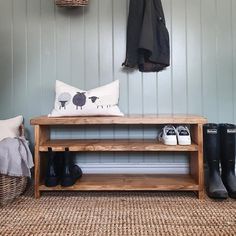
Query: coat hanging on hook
{"type": "Point", "coordinates": [147, 37]}
{"type": "Point", "coordinates": [71, 3]}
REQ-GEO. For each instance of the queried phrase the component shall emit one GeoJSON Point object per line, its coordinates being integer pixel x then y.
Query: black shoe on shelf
{"type": "Point", "coordinates": [52, 177]}
{"type": "Point", "coordinates": [70, 172]}
{"type": "Point", "coordinates": [76, 171]}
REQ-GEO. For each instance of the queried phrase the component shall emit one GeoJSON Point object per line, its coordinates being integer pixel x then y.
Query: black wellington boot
{"type": "Point", "coordinates": [52, 171]}
{"type": "Point", "coordinates": [71, 172]}
{"type": "Point", "coordinates": [227, 139]}
{"type": "Point", "coordinates": [211, 137]}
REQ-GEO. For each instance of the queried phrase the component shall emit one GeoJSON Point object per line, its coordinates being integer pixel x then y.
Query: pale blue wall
{"type": "Point", "coordinates": [85, 47]}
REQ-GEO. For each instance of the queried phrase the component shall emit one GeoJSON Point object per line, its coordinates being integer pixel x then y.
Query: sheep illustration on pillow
{"type": "Point", "coordinates": [79, 100]}
{"type": "Point", "coordinates": [101, 102]}
{"type": "Point", "coordinates": [64, 99]}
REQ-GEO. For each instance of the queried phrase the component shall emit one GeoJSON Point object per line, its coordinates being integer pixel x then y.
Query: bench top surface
{"type": "Point", "coordinates": [128, 119]}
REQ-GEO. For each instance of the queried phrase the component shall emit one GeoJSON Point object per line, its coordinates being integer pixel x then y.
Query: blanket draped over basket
{"type": "Point", "coordinates": [15, 164]}
{"type": "Point", "coordinates": [15, 157]}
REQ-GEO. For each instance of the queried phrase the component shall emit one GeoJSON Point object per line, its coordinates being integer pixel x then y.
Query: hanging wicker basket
{"type": "Point", "coordinates": [71, 3]}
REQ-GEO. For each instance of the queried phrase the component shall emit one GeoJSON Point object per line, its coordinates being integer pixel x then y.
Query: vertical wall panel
{"type": "Point", "coordinates": [224, 57]}
{"type": "Point", "coordinates": [20, 80]}
{"type": "Point", "coordinates": [52, 45]}
{"type": "Point", "coordinates": [193, 47]}
{"type": "Point", "coordinates": [105, 41]}
{"type": "Point", "coordinates": [149, 95]}
{"type": "Point", "coordinates": [77, 50]}
{"type": "Point", "coordinates": [209, 63]}
{"type": "Point", "coordinates": [6, 74]}
{"type": "Point", "coordinates": [179, 56]}
{"type": "Point", "coordinates": [165, 78]}
{"type": "Point", "coordinates": [233, 32]}
{"type": "Point", "coordinates": [85, 47]}
{"type": "Point", "coordinates": [34, 91]}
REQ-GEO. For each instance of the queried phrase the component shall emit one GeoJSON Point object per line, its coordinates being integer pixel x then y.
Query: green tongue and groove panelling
{"type": "Point", "coordinates": [85, 47]}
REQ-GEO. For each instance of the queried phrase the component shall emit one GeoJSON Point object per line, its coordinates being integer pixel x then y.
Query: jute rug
{"type": "Point", "coordinates": [118, 213]}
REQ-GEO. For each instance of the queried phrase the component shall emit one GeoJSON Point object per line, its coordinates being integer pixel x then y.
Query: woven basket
{"type": "Point", "coordinates": [11, 186]}
{"type": "Point", "coordinates": [71, 3]}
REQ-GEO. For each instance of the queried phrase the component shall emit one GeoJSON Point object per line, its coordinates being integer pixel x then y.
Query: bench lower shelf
{"type": "Point", "coordinates": [130, 182]}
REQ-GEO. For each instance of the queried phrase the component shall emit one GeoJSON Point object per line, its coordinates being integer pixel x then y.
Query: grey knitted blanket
{"type": "Point", "coordinates": [15, 157]}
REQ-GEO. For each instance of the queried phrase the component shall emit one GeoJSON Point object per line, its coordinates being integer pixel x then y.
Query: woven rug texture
{"type": "Point", "coordinates": [117, 213]}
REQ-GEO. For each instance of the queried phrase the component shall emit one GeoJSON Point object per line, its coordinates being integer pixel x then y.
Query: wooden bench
{"type": "Point", "coordinates": [123, 182]}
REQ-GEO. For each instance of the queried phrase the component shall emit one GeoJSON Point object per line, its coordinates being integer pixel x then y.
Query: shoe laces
{"type": "Point", "coordinates": [165, 129]}
{"type": "Point", "coordinates": [182, 128]}
{"type": "Point", "coordinates": [168, 128]}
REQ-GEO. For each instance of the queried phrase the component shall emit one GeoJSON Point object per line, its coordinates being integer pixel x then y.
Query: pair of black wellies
{"type": "Point", "coordinates": [219, 148]}
{"type": "Point", "coordinates": [61, 169]}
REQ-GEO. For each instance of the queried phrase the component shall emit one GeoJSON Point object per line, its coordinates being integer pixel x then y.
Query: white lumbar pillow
{"type": "Point", "coordinates": [10, 128]}
{"type": "Point", "coordinates": [101, 101]}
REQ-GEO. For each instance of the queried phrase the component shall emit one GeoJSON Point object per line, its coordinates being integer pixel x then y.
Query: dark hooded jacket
{"type": "Point", "coordinates": [147, 37]}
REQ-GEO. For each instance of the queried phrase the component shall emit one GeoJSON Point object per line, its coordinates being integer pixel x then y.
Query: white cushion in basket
{"type": "Point", "coordinates": [101, 101]}
{"type": "Point", "coordinates": [10, 128]}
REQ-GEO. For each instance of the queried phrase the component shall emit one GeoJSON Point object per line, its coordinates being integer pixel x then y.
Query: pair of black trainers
{"type": "Point", "coordinates": [60, 169]}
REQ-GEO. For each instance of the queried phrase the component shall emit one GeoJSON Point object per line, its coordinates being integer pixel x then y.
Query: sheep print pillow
{"type": "Point", "coordinates": [101, 101]}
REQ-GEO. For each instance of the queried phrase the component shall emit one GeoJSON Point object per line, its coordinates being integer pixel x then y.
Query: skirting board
{"type": "Point", "coordinates": [134, 168]}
